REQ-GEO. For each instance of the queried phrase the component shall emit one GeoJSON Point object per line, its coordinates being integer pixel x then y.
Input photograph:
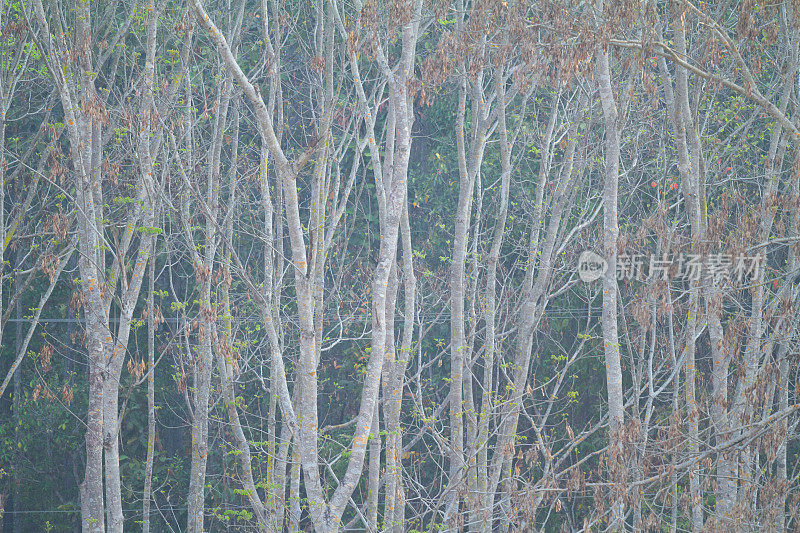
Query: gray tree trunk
{"type": "Point", "coordinates": [611, 346]}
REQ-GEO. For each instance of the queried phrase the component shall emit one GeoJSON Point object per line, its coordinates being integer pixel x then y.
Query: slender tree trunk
{"type": "Point", "coordinates": [16, 518]}
{"type": "Point", "coordinates": [374, 473]}
{"type": "Point", "coordinates": [538, 275]}
{"type": "Point", "coordinates": [111, 424]}
{"type": "Point", "coordinates": [674, 456]}
{"type": "Point", "coordinates": [693, 189]}
{"type": "Point", "coordinates": [783, 380]}
{"type": "Point", "coordinates": [151, 396]}
{"type": "Point", "coordinates": [294, 490]}
{"type": "Point", "coordinates": [225, 363]}
{"type": "Point", "coordinates": [611, 346]}
{"type": "Point", "coordinates": [470, 159]}
{"type": "Point", "coordinates": [144, 146]}
{"type": "Point", "coordinates": [458, 344]}
{"type": "Point", "coordinates": [689, 168]}
{"type": "Point", "coordinates": [409, 297]}
{"type": "Point", "coordinates": [91, 489]}
{"type": "Point", "coordinates": [490, 311]}
{"type": "Point", "coordinates": [204, 269]}
{"type": "Point", "coordinates": [202, 389]}
{"type": "Point", "coordinates": [389, 390]}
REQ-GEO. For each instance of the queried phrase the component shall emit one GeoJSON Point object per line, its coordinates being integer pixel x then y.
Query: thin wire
{"type": "Point", "coordinates": [70, 511]}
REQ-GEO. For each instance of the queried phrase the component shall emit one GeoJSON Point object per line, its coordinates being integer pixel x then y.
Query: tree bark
{"type": "Point", "coordinates": [611, 346]}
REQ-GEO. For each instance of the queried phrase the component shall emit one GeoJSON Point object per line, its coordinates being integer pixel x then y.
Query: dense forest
{"type": "Point", "coordinates": [399, 265]}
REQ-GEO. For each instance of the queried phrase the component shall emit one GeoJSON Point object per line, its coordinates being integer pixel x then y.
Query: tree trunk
{"type": "Point", "coordinates": [611, 346]}
{"type": "Point", "coordinates": [151, 396]}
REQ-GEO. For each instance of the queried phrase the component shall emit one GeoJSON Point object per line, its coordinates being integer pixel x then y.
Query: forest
{"type": "Point", "coordinates": [399, 265]}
